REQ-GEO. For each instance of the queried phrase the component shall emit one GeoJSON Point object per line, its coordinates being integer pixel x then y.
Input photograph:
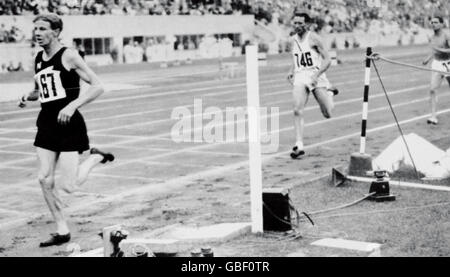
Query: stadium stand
{"type": "Point", "coordinates": [335, 15]}
{"type": "Point", "coordinates": [346, 23]}
{"type": "Point", "coordinates": [332, 16]}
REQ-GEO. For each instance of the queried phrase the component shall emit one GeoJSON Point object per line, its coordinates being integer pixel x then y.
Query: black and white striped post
{"type": "Point", "coordinates": [361, 163]}
{"type": "Point", "coordinates": [362, 148]}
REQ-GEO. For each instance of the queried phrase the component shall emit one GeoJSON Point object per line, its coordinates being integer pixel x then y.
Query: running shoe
{"type": "Point", "coordinates": [55, 239]}
{"type": "Point", "coordinates": [107, 157]}
{"type": "Point", "coordinates": [432, 120]}
{"type": "Point", "coordinates": [334, 90]}
{"type": "Point", "coordinates": [296, 152]}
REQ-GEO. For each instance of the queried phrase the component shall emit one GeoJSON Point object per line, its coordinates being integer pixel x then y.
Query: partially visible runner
{"type": "Point", "coordinates": [440, 54]}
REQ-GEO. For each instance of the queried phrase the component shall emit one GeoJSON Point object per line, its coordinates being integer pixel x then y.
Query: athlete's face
{"type": "Point", "coordinates": [300, 25]}
{"type": "Point", "coordinates": [436, 24]}
{"type": "Point", "coordinates": [44, 33]}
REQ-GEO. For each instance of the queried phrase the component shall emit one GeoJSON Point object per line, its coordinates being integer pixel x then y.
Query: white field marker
{"type": "Point", "coordinates": [254, 139]}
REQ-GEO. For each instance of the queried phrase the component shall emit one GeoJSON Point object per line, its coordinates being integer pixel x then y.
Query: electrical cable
{"type": "Point", "coordinates": [385, 211]}
{"type": "Point", "coordinates": [342, 206]}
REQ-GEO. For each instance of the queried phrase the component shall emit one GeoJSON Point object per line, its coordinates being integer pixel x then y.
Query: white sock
{"type": "Point", "coordinates": [62, 229]}
{"type": "Point", "coordinates": [299, 144]}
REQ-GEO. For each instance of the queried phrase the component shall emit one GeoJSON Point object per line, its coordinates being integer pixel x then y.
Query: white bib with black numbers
{"type": "Point", "coordinates": [305, 57]}
{"type": "Point", "coordinates": [50, 85]}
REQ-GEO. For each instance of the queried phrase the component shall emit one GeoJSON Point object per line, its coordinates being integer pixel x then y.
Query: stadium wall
{"type": "Point", "coordinates": [120, 27]}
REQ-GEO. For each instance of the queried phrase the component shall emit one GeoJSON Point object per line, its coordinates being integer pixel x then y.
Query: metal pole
{"type": "Point", "coordinates": [365, 110]}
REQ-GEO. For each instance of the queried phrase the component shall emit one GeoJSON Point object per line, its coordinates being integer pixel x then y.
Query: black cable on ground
{"type": "Point", "coordinates": [342, 206]}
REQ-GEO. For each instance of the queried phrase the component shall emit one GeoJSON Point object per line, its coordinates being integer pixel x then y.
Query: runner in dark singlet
{"type": "Point", "coordinates": [62, 133]}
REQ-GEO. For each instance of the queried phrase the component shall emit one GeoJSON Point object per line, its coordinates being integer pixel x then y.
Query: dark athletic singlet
{"type": "Point", "coordinates": [57, 88]}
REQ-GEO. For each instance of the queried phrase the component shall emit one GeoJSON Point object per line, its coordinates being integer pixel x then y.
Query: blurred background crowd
{"type": "Point", "coordinates": [383, 17]}
{"type": "Point", "coordinates": [332, 15]}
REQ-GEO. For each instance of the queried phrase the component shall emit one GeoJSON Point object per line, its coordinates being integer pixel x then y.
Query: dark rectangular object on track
{"type": "Point", "coordinates": [276, 210]}
{"type": "Point", "coordinates": [380, 186]}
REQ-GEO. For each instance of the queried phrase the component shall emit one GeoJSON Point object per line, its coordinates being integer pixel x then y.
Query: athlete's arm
{"type": "Point", "coordinates": [86, 74]}
{"type": "Point", "coordinates": [427, 59]}
{"type": "Point", "coordinates": [30, 96]}
{"type": "Point", "coordinates": [72, 60]}
{"type": "Point", "coordinates": [317, 44]}
{"type": "Point", "coordinates": [290, 76]}
{"type": "Point", "coordinates": [442, 50]}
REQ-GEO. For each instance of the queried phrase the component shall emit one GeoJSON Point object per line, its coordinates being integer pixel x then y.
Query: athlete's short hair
{"type": "Point", "coordinates": [54, 20]}
{"type": "Point", "coordinates": [303, 13]}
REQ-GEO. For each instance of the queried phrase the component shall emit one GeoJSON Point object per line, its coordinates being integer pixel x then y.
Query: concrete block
{"type": "Point", "coordinates": [372, 248]}
{"type": "Point", "coordinates": [156, 245]}
{"type": "Point", "coordinates": [214, 233]}
{"type": "Point", "coordinates": [90, 254]}
{"type": "Point", "coordinates": [360, 164]}
{"type": "Point", "coordinates": [297, 254]}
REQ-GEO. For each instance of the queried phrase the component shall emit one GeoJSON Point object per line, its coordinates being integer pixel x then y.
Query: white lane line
{"type": "Point", "coordinates": [36, 189]}
{"type": "Point", "coordinates": [94, 108]}
{"type": "Point", "coordinates": [122, 177]}
{"type": "Point", "coordinates": [150, 148]}
{"type": "Point", "coordinates": [217, 153]}
{"type": "Point", "coordinates": [359, 113]}
{"type": "Point", "coordinates": [148, 95]}
{"type": "Point", "coordinates": [16, 139]}
{"type": "Point", "coordinates": [13, 144]}
{"type": "Point", "coordinates": [268, 104]}
{"type": "Point", "coordinates": [13, 162]}
{"type": "Point", "coordinates": [17, 152]}
{"type": "Point", "coordinates": [23, 185]}
{"type": "Point", "coordinates": [279, 63]}
{"type": "Point", "coordinates": [90, 109]}
{"type": "Point", "coordinates": [402, 183]}
{"type": "Point", "coordinates": [13, 212]}
{"type": "Point", "coordinates": [23, 168]}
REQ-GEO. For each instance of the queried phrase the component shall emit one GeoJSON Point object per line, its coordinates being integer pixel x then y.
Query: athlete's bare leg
{"type": "Point", "coordinates": [46, 176]}
{"type": "Point", "coordinates": [300, 96]}
{"type": "Point", "coordinates": [436, 81]}
{"type": "Point", "coordinates": [325, 99]}
{"type": "Point", "coordinates": [74, 175]}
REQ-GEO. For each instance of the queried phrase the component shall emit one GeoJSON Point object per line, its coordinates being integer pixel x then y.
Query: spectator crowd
{"type": "Point", "coordinates": [124, 7]}
{"type": "Point", "coordinates": [332, 16]}
{"type": "Point", "coordinates": [339, 16]}
{"type": "Point", "coordinates": [384, 16]}
{"type": "Point", "coordinates": [10, 34]}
